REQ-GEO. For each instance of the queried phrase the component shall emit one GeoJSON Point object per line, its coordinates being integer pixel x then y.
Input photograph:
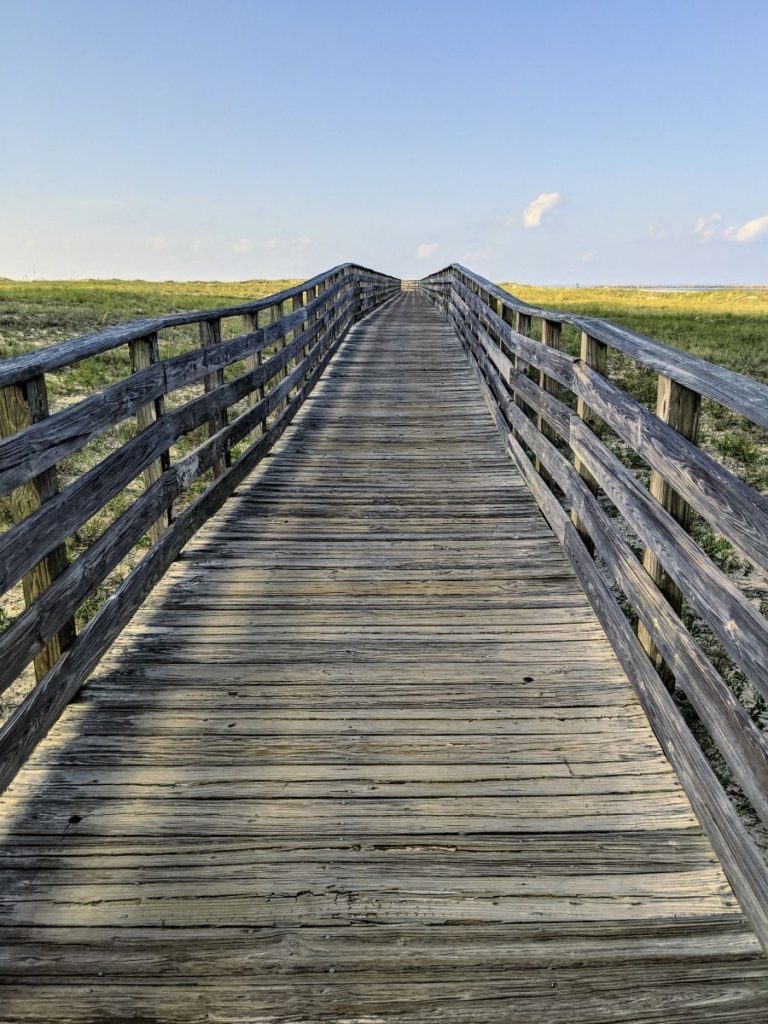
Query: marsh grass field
{"type": "Point", "coordinates": [726, 326]}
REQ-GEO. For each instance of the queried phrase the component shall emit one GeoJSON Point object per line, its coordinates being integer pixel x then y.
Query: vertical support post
{"type": "Point", "coordinates": [522, 326]}
{"type": "Point", "coordinates": [276, 315]}
{"type": "Point", "coordinates": [308, 296]}
{"type": "Point", "coordinates": [510, 316]}
{"type": "Point", "coordinates": [250, 324]}
{"type": "Point", "coordinates": [595, 354]}
{"type": "Point", "coordinates": [21, 405]}
{"type": "Point", "coordinates": [143, 353]}
{"type": "Point", "coordinates": [550, 336]}
{"type": "Point", "coordinates": [296, 304]}
{"type": "Point", "coordinates": [679, 407]}
{"type": "Point", "coordinates": [357, 297]}
{"type": "Point", "coordinates": [210, 335]}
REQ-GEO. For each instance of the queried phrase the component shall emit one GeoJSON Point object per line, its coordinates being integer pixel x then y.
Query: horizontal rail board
{"type": "Point", "coordinates": [25, 544]}
{"type": "Point", "coordinates": [733, 508]}
{"type": "Point", "coordinates": [65, 432]}
{"type": "Point", "coordinates": [19, 368]}
{"type": "Point", "coordinates": [733, 390]}
{"type": "Point", "coordinates": [734, 621]}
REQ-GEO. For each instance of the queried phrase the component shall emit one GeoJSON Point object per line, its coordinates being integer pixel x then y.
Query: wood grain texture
{"type": "Point", "coordinates": [366, 754]}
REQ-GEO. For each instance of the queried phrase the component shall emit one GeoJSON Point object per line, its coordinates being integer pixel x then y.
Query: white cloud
{"type": "Point", "coordinates": [536, 210]}
{"type": "Point", "coordinates": [704, 227]}
{"type": "Point", "coordinates": [587, 257]}
{"type": "Point", "coordinates": [244, 245]}
{"type": "Point", "coordinates": [158, 243]}
{"type": "Point", "coordinates": [426, 249]}
{"type": "Point", "coordinates": [749, 232]}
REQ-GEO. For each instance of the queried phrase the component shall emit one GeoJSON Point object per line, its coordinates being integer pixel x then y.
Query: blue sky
{"type": "Point", "coordinates": [549, 142]}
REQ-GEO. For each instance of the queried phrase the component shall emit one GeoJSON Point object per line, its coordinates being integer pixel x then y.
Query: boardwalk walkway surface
{"type": "Point", "coordinates": [366, 755]}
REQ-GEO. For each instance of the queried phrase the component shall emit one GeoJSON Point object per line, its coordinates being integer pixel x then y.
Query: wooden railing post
{"type": "Point", "coordinates": [309, 296]}
{"type": "Point", "coordinates": [276, 314]}
{"type": "Point", "coordinates": [679, 407]}
{"type": "Point", "coordinates": [251, 324]}
{"type": "Point", "coordinates": [595, 354]}
{"type": "Point", "coordinates": [551, 337]}
{"type": "Point", "coordinates": [522, 326]}
{"type": "Point", "coordinates": [210, 334]}
{"type": "Point", "coordinates": [144, 352]}
{"type": "Point", "coordinates": [299, 301]}
{"type": "Point", "coordinates": [21, 405]}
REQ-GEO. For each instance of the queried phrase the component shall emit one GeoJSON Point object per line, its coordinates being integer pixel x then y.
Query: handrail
{"type": "Point", "coordinates": [19, 368]}
{"type": "Point", "coordinates": [568, 463]}
{"type": "Point", "coordinates": [277, 360]}
{"type": "Point", "coordinates": [733, 390]}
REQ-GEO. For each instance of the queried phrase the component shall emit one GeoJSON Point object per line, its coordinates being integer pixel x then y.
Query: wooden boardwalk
{"type": "Point", "coordinates": [367, 755]}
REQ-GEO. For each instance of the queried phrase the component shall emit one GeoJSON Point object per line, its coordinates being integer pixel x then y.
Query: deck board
{"type": "Point", "coordinates": [367, 755]}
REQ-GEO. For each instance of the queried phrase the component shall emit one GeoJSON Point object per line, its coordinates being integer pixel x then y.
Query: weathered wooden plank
{"type": "Point", "coordinates": [210, 337]}
{"type": "Point", "coordinates": [250, 325]}
{"type": "Point", "coordinates": [551, 338]}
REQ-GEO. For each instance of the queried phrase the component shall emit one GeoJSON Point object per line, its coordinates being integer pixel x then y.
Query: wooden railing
{"type": "Point", "coordinates": [565, 448]}
{"type": "Point", "coordinates": [286, 341]}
